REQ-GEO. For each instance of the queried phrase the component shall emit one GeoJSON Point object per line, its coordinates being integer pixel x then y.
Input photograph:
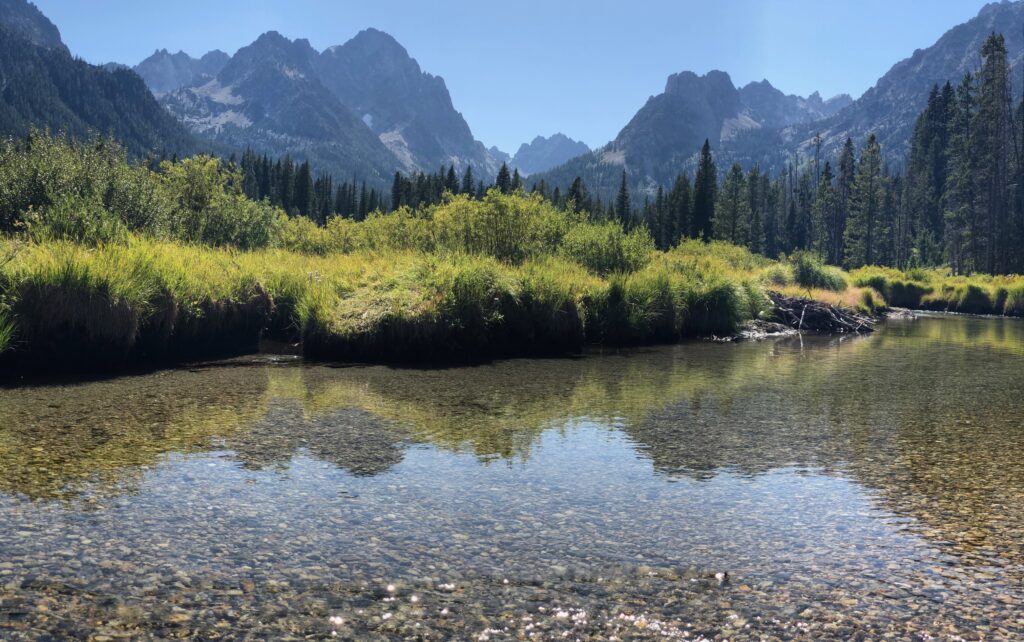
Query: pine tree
{"type": "Point", "coordinates": [756, 207]}
{"type": "Point", "coordinates": [992, 128]}
{"type": "Point", "coordinates": [286, 184]}
{"type": "Point", "coordinates": [396, 191]}
{"type": "Point", "coordinates": [517, 181]}
{"type": "Point", "coordinates": [680, 205]}
{"type": "Point", "coordinates": [622, 207]}
{"type": "Point", "coordinates": [844, 185]}
{"type": "Point", "coordinates": [658, 221]}
{"type": "Point", "coordinates": [732, 213]}
{"type": "Point", "coordinates": [960, 188]}
{"type": "Point", "coordinates": [504, 180]}
{"type": "Point", "coordinates": [866, 200]}
{"type": "Point", "coordinates": [303, 198]}
{"type": "Point", "coordinates": [451, 182]}
{"type": "Point", "coordinates": [823, 211]}
{"type": "Point", "coordinates": [578, 196]}
{"type": "Point", "coordinates": [467, 181]}
{"type": "Point", "coordinates": [772, 217]}
{"type": "Point", "coordinates": [705, 188]}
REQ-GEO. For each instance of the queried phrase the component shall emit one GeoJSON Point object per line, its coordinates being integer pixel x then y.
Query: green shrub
{"type": "Point", "coordinates": [651, 311]}
{"type": "Point", "coordinates": [603, 248]}
{"type": "Point", "coordinates": [402, 229]}
{"type": "Point", "coordinates": [77, 219]}
{"type": "Point", "coordinates": [810, 272]}
{"type": "Point", "coordinates": [509, 227]}
{"type": "Point", "coordinates": [211, 208]}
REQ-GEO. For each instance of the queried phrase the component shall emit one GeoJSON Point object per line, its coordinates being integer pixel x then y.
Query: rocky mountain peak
{"type": "Point", "coordinates": [165, 72]}
{"type": "Point", "coordinates": [544, 153]}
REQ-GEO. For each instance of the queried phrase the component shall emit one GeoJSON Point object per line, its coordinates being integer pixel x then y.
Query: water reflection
{"type": "Point", "coordinates": [849, 485]}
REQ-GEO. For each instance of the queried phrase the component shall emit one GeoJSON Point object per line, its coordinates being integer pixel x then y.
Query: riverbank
{"type": "Point", "coordinates": [938, 291]}
{"type": "Point", "coordinates": [75, 307]}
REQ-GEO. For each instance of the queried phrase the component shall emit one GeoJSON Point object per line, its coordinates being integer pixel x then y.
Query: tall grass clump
{"type": "Point", "coordinates": [6, 333]}
{"type": "Point", "coordinates": [970, 298]}
{"type": "Point", "coordinates": [1014, 306]}
{"type": "Point", "coordinates": [143, 301]}
{"type": "Point", "coordinates": [900, 289]}
{"type": "Point", "coordinates": [810, 272]}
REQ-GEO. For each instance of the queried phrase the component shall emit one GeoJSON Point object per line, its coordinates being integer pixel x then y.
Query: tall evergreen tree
{"type": "Point", "coordinates": [578, 196]}
{"type": "Point", "coordinates": [504, 180]}
{"type": "Point", "coordinates": [705, 188]}
{"type": "Point", "coordinates": [866, 199]}
{"type": "Point", "coordinates": [303, 199]}
{"type": "Point", "coordinates": [756, 210]}
{"type": "Point", "coordinates": [993, 129]}
{"type": "Point", "coordinates": [732, 213]}
{"type": "Point", "coordinates": [680, 206]}
{"type": "Point", "coordinates": [622, 206]}
{"type": "Point", "coordinates": [845, 177]}
{"type": "Point", "coordinates": [823, 211]}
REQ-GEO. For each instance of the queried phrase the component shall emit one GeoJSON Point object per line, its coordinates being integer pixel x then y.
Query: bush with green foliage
{"type": "Point", "coordinates": [603, 248]}
{"type": "Point", "coordinates": [88, 192]}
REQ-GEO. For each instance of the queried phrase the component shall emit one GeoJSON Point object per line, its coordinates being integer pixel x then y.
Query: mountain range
{"type": "Point", "coordinates": [757, 124]}
{"type": "Point", "coordinates": [164, 72]}
{"type": "Point", "coordinates": [890, 108]}
{"type": "Point", "coordinates": [363, 109]}
{"type": "Point", "coordinates": [546, 152]}
{"type": "Point", "coordinates": [366, 109]}
{"type": "Point", "coordinates": [663, 136]}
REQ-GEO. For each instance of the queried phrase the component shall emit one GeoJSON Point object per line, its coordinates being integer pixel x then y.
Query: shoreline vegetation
{"type": "Point", "coordinates": [106, 264]}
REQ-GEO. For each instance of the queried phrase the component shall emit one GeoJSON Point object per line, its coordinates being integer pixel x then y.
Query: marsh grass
{"type": "Point", "coordinates": [810, 272]}
{"type": "Point", "coordinates": [144, 300]}
{"type": "Point", "coordinates": [939, 291]}
{"type": "Point", "coordinates": [6, 333]}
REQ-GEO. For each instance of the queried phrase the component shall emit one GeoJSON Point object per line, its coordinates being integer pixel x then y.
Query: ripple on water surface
{"type": "Point", "coordinates": [817, 489]}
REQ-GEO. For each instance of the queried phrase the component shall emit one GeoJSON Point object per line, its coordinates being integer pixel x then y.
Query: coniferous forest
{"type": "Point", "coordinates": [955, 201]}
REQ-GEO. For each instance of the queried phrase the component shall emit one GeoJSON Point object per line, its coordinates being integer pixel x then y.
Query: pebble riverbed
{"type": "Point", "coordinates": [812, 489]}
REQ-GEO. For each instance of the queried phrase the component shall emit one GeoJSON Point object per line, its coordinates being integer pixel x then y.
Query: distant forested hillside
{"type": "Point", "coordinates": [44, 87]}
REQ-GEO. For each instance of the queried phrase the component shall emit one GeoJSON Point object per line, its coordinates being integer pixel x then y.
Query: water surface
{"type": "Point", "coordinates": [811, 488]}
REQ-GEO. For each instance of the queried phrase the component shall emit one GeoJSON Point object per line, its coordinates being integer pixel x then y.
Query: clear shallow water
{"type": "Point", "coordinates": [819, 489]}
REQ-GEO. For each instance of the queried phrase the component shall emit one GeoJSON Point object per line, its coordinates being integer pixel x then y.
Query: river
{"type": "Point", "coordinates": [803, 488]}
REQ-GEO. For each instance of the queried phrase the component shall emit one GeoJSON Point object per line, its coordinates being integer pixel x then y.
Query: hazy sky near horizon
{"type": "Point", "coordinates": [516, 70]}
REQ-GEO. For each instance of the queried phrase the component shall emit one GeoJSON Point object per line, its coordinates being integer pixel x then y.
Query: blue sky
{"type": "Point", "coordinates": [518, 69]}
